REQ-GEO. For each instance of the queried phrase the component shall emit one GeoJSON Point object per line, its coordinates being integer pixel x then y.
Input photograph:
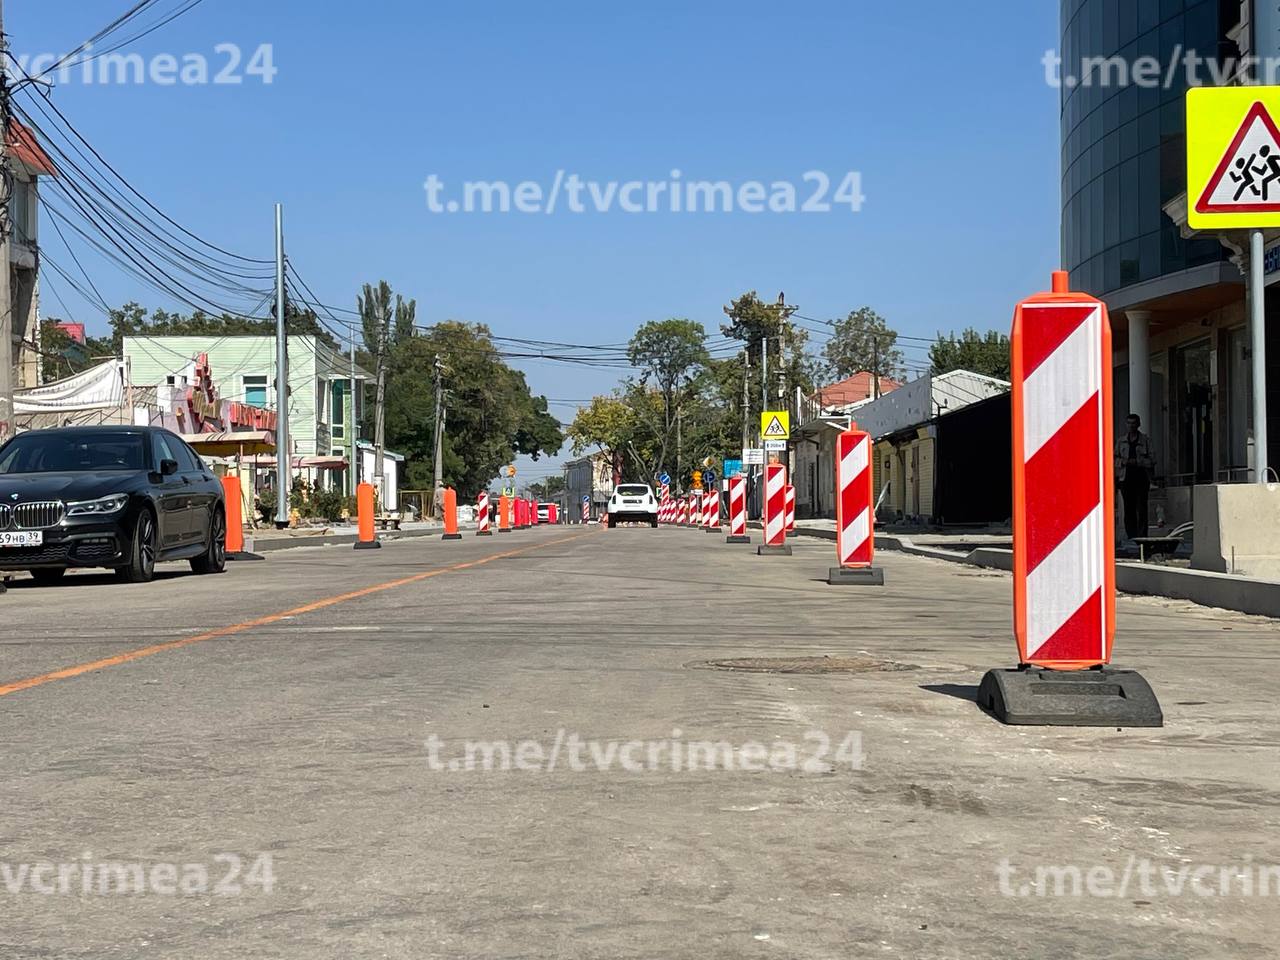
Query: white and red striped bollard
{"type": "Point", "coordinates": [775, 516]}
{"type": "Point", "coordinates": [1064, 524]}
{"type": "Point", "coordinates": [855, 515]}
{"type": "Point", "coordinates": [790, 509]}
{"type": "Point", "coordinates": [737, 511]}
{"type": "Point", "coordinates": [712, 511]}
{"type": "Point", "coordinates": [682, 512]}
{"type": "Point", "coordinates": [482, 515]}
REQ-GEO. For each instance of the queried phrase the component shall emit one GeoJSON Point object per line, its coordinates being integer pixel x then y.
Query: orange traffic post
{"type": "Point", "coordinates": [1064, 593]}
{"type": "Point", "coordinates": [504, 514]}
{"type": "Point", "coordinates": [234, 516]}
{"type": "Point", "coordinates": [450, 497]}
{"type": "Point", "coordinates": [367, 539]}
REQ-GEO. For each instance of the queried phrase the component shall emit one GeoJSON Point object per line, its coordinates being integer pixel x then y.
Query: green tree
{"type": "Point", "coordinates": [491, 414]}
{"type": "Point", "coordinates": [133, 320]}
{"type": "Point", "coordinates": [863, 341]}
{"type": "Point", "coordinates": [548, 488]}
{"type": "Point", "coordinates": [672, 358]}
{"type": "Point", "coordinates": [985, 353]}
{"type": "Point", "coordinates": [63, 357]}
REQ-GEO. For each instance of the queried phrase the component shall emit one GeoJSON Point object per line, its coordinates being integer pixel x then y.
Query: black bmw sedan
{"type": "Point", "coordinates": [119, 497]}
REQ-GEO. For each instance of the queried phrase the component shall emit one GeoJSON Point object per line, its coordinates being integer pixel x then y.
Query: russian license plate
{"type": "Point", "coordinates": [17, 539]}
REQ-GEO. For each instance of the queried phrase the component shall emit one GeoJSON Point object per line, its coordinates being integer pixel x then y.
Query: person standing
{"type": "Point", "coordinates": [1135, 466]}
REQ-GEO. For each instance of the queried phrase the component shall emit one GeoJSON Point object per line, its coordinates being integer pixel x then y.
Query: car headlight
{"type": "Point", "coordinates": [98, 508]}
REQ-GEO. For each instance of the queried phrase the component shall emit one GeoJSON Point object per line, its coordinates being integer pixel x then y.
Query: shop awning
{"type": "Point", "coordinates": [228, 443]}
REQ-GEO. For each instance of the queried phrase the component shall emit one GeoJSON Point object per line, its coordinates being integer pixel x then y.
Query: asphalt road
{"type": "Point", "coordinates": [278, 743]}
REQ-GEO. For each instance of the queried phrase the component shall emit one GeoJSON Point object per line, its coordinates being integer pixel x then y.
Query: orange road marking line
{"type": "Point", "coordinates": [68, 672]}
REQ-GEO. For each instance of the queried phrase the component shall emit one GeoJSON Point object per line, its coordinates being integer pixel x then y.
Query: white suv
{"type": "Point", "coordinates": [633, 502]}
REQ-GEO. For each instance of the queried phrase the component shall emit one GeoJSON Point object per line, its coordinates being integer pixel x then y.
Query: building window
{"type": "Point", "coordinates": [22, 210]}
{"type": "Point", "coordinates": [255, 391]}
{"type": "Point", "coordinates": [339, 419]}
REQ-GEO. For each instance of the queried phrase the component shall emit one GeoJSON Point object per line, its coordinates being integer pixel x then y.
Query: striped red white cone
{"type": "Point", "coordinates": [790, 507]}
{"type": "Point", "coordinates": [482, 515]}
{"type": "Point", "coordinates": [855, 516]}
{"type": "Point", "coordinates": [737, 511]}
{"type": "Point", "coordinates": [1063, 524]}
{"type": "Point", "coordinates": [775, 505]}
{"type": "Point", "coordinates": [682, 512]}
{"type": "Point", "coordinates": [712, 511]}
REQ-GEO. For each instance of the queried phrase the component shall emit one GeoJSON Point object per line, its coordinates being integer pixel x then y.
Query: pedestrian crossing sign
{"type": "Point", "coordinates": [1233, 158]}
{"type": "Point", "coordinates": [775, 425]}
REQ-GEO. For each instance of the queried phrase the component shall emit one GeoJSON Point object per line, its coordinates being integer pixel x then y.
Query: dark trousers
{"type": "Point", "coordinates": [1135, 489]}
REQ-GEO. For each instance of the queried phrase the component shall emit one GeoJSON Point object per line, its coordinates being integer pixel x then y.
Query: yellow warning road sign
{"type": "Point", "coordinates": [775, 425]}
{"type": "Point", "coordinates": [1233, 158]}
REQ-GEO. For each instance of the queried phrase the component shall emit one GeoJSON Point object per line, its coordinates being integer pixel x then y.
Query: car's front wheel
{"type": "Point", "coordinates": [141, 567]}
{"type": "Point", "coordinates": [214, 559]}
{"type": "Point", "coordinates": [47, 576]}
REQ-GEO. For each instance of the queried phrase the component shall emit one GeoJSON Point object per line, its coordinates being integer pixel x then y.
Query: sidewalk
{"type": "Point", "coordinates": [995, 551]}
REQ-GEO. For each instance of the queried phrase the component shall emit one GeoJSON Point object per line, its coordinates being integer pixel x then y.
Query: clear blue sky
{"type": "Point", "coordinates": [945, 113]}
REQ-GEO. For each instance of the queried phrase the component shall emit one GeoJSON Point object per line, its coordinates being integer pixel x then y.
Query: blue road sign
{"type": "Point", "coordinates": [732, 468]}
{"type": "Point", "coordinates": [709, 477]}
{"type": "Point", "coordinates": [664, 478]}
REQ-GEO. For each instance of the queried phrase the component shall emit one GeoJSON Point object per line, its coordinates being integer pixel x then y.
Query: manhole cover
{"type": "Point", "coordinates": [810, 665]}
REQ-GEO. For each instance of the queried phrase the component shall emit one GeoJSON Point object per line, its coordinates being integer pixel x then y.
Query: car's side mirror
{"type": "Point", "coordinates": [168, 468]}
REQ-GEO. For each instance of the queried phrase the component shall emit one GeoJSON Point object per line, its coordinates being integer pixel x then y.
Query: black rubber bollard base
{"type": "Point", "coordinates": [713, 529]}
{"type": "Point", "coordinates": [244, 555]}
{"type": "Point", "coordinates": [767, 551]}
{"type": "Point", "coordinates": [856, 576]}
{"type": "Point", "coordinates": [504, 529]}
{"type": "Point", "coordinates": [1070, 698]}
{"type": "Point", "coordinates": [452, 536]}
{"type": "Point", "coordinates": [737, 539]}
{"type": "Point", "coordinates": [368, 545]}
{"type": "Point", "coordinates": [484, 533]}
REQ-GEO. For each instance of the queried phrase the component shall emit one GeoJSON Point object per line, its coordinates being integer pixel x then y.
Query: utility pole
{"type": "Point", "coordinates": [284, 453]}
{"type": "Point", "coordinates": [7, 418]}
{"type": "Point", "coordinates": [679, 448]}
{"type": "Point", "coordinates": [379, 411]}
{"type": "Point", "coordinates": [746, 399]}
{"type": "Point", "coordinates": [438, 455]}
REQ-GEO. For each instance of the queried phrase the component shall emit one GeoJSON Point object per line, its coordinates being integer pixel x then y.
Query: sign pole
{"type": "Point", "coordinates": [1258, 334]}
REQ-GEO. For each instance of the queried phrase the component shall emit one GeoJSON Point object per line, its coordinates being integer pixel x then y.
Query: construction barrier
{"type": "Point", "coordinates": [586, 509]}
{"type": "Point", "coordinates": [366, 539]}
{"type": "Point", "coordinates": [553, 513]}
{"type": "Point", "coordinates": [1063, 524]}
{"type": "Point", "coordinates": [737, 511]}
{"type": "Point", "coordinates": [711, 511]}
{"type": "Point", "coordinates": [855, 511]}
{"type": "Point", "coordinates": [482, 515]}
{"type": "Point", "coordinates": [682, 511]}
{"type": "Point", "coordinates": [234, 515]}
{"type": "Point", "coordinates": [775, 519]}
{"type": "Point", "coordinates": [533, 513]}
{"type": "Point", "coordinates": [504, 514]}
{"type": "Point", "coordinates": [449, 496]}
{"type": "Point", "coordinates": [789, 493]}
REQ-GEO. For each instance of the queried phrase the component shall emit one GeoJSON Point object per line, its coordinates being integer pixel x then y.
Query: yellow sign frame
{"type": "Point", "coordinates": [767, 421]}
{"type": "Point", "coordinates": [1217, 120]}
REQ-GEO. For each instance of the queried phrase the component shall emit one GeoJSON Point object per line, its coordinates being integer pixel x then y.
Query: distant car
{"type": "Point", "coordinates": [633, 503]}
{"type": "Point", "coordinates": [125, 498]}
{"type": "Point", "coordinates": [544, 513]}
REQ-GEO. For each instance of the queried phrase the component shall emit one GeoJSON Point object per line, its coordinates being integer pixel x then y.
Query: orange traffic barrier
{"type": "Point", "coordinates": [234, 515]}
{"type": "Point", "coordinates": [504, 514]}
{"type": "Point", "coordinates": [450, 498]}
{"type": "Point", "coordinates": [367, 539]}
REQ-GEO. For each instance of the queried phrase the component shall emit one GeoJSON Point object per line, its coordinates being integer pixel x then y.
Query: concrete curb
{"type": "Point", "coordinates": [275, 544]}
{"type": "Point", "coordinates": [1221, 590]}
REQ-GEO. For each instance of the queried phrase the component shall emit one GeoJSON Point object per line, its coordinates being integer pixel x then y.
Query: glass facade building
{"type": "Point", "coordinates": [1123, 142]}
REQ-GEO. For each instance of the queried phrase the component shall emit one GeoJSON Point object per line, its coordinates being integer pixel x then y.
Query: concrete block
{"type": "Point", "coordinates": [1240, 520]}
